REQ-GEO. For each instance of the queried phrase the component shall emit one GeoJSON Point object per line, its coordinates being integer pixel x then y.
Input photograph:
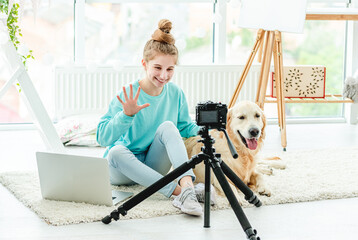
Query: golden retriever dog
{"type": "Point", "coordinates": [245, 126]}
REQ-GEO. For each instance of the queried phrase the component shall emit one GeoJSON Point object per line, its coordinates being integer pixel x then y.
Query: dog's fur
{"type": "Point", "coordinates": [245, 126]}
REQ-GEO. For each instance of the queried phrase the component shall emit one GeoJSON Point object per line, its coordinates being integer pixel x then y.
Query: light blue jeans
{"type": "Point", "coordinates": [166, 150]}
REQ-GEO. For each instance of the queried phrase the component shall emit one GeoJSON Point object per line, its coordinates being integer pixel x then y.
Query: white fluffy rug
{"type": "Point", "coordinates": [309, 176]}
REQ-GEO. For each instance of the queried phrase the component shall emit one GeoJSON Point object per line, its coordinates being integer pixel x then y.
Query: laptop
{"type": "Point", "coordinates": [65, 177]}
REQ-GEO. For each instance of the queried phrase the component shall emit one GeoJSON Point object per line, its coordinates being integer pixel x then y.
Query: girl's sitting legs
{"type": "Point", "coordinates": [166, 150]}
{"type": "Point", "coordinates": [127, 168]}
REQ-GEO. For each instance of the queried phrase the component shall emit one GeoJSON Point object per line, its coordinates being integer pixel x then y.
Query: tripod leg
{"type": "Point", "coordinates": [207, 195]}
{"type": "Point", "coordinates": [249, 195]}
{"type": "Point", "coordinates": [138, 198]}
{"type": "Point", "coordinates": [250, 233]}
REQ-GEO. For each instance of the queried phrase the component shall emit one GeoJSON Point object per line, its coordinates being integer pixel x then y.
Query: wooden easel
{"type": "Point", "coordinates": [270, 43]}
{"type": "Point", "coordinates": [31, 98]}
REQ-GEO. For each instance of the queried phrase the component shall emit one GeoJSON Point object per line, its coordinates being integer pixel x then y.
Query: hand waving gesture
{"type": "Point", "coordinates": [130, 106]}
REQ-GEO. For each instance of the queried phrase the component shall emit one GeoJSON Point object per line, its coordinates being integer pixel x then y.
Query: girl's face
{"type": "Point", "coordinates": [160, 69]}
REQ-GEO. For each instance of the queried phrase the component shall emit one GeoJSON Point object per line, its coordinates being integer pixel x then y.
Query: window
{"type": "Point", "coordinates": [119, 31]}
{"type": "Point", "coordinates": [325, 47]}
{"type": "Point", "coordinates": [48, 31]}
{"type": "Point", "coordinates": [116, 30]}
{"type": "Point", "coordinates": [322, 43]}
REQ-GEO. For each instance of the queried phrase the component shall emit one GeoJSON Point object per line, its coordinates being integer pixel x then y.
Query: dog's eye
{"type": "Point", "coordinates": [242, 117]}
{"type": "Point", "coordinates": [257, 115]}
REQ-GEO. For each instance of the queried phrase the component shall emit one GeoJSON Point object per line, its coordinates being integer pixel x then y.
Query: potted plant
{"type": "Point", "coordinates": [13, 26]}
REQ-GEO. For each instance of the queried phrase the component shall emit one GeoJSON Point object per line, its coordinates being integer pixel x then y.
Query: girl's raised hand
{"type": "Point", "coordinates": [130, 106]}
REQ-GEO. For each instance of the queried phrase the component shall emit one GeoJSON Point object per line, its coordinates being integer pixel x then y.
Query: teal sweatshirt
{"type": "Point", "coordinates": [137, 132]}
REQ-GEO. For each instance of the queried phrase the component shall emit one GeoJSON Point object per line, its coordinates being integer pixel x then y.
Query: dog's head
{"type": "Point", "coordinates": [246, 124]}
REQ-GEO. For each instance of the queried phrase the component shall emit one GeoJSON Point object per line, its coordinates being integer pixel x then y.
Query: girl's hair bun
{"type": "Point", "coordinates": [162, 34]}
{"type": "Point", "coordinates": [162, 42]}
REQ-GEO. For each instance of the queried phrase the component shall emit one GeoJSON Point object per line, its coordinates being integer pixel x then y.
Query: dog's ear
{"type": "Point", "coordinates": [228, 117]}
{"type": "Point", "coordinates": [263, 133]}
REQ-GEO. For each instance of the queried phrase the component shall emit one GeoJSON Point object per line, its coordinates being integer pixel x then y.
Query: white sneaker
{"type": "Point", "coordinates": [200, 193]}
{"type": "Point", "coordinates": [187, 202]}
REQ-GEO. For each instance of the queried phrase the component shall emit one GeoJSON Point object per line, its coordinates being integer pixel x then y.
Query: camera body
{"type": "Point", "coordinates": [212, 115]}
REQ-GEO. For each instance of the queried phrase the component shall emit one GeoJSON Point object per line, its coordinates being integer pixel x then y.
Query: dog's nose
{"type": "Point", "coordinates": [254, 132]}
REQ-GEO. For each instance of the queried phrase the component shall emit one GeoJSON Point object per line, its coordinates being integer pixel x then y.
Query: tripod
{"type": "Point", "coordinates": [212, 161]}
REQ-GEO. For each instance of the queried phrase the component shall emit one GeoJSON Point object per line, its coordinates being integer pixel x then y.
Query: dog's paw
{"type": "Point", "coordinates": [279, 165]}
{"type": "Point", "coordinates": [264, 191]}
{"type": "Point", "coordinates": [264, 169]}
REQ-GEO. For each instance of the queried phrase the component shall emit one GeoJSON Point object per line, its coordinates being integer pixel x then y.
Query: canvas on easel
{"type": "Point", "coordinates": [30, 96]}
{"type": "Point", "coordinates": [270, 17]}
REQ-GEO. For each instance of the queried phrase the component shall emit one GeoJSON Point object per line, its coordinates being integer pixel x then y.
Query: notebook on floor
{"type": "Point", "coordinates": [75, 178]}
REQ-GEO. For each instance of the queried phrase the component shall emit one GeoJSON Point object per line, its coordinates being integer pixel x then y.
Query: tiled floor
{"type": "Point", "coordinates": [333, 219]}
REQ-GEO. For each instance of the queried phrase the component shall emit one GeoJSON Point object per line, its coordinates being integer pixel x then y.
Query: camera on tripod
{"type": "Point", "coordinates": [212, 115]}
{"type": "Point", "coordinates": [209, 115]}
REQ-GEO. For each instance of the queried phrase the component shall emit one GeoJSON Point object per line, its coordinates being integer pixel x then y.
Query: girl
{"type": "Point", "coordinates": [144, 132]}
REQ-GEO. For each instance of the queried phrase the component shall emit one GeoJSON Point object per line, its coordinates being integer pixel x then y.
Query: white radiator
{"type": "Point", "coordinates": [79, 90]}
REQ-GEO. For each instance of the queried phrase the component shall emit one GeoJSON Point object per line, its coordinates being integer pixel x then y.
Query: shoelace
{"type": "Point", "coordinates": [200, 197]}
{"type": "Point", "coordinates": [188, 192]}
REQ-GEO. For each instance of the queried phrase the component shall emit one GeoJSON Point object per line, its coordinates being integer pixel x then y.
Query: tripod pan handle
{"type": "Point", "coordinates": [231, 146]}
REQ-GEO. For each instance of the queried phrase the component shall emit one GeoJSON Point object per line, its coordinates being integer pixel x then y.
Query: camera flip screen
{"type": "Point", "coordinates": [208, 116]}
